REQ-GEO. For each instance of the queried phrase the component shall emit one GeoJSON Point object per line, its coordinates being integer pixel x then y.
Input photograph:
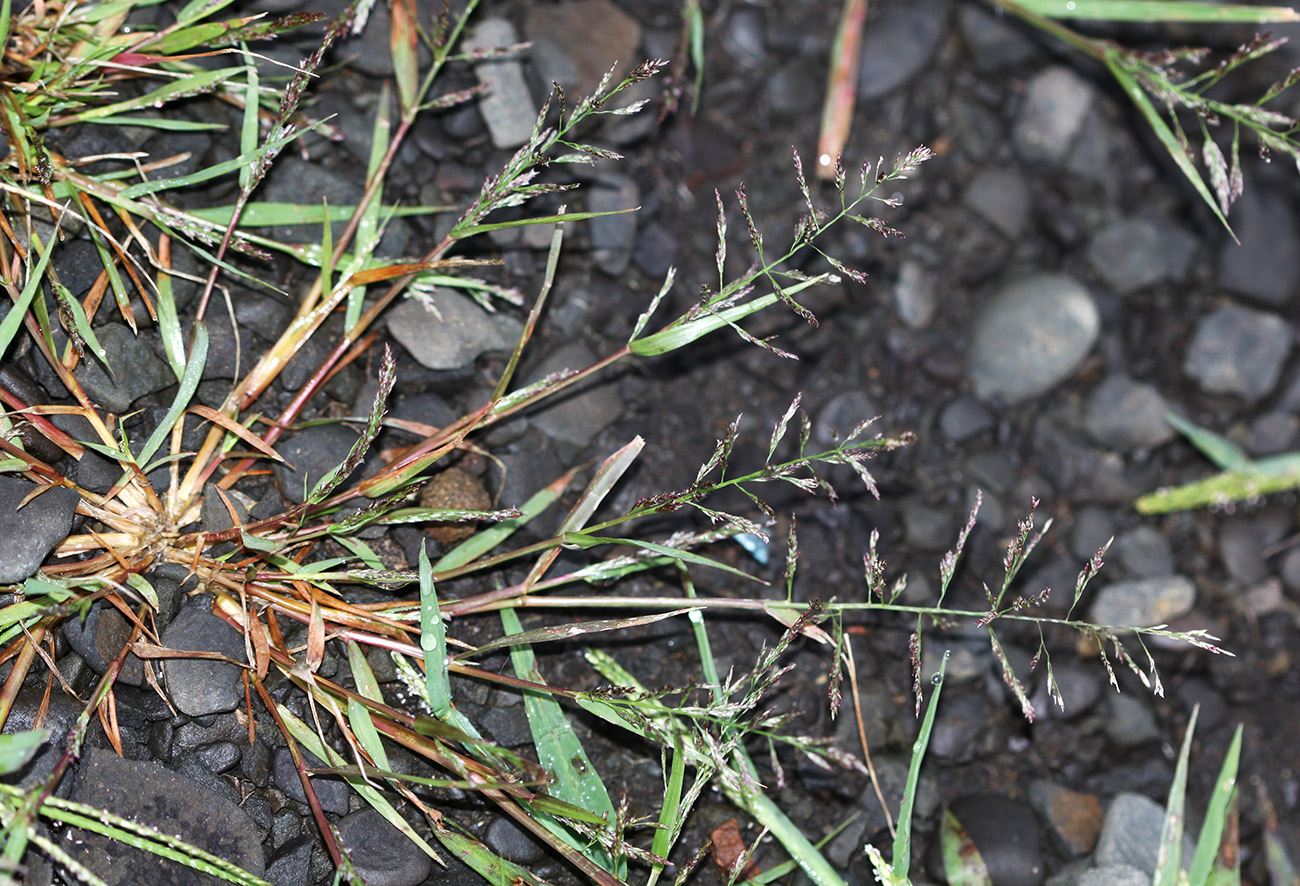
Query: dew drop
{"type": "Point", "coordinates": [824, 160]}
{"type": "Point", "coordinates": [937, 678]}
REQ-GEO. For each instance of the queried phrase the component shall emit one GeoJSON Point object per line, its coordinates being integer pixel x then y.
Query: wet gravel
{"type": "Point", "coordinates": [1058, 291]}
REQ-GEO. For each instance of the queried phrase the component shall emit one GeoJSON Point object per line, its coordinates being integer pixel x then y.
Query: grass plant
{"type": "Point", "coordinates": [81, 65]}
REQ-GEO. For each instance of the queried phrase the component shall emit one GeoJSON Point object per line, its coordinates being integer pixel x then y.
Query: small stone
{"type": "Point", "coordinates": [841, 414]}
{"type": "Point", "coordinates": [1272, 433]}
{"type": "Point", "coordinates": [655, 251]}
{"type": "Point", "coordinates": [309, 455]}
{"type": "Point", "coordinates": [613, 236]}
{"type": "Point", "coordinates": [914, 295]}
{"type": "Point", "coordinates": [993, 41]}
{"type": "Point", "coordinates": [1031, 336]}
{"type": "Point", "coordinates": [29, 533]}
{"type": "Point", "coordinates": [1006, 833]}
{"type": "Point", "coordinates": [1073, 818]}
{"type": "Point", "coordinates": [964, 418]}
{"type": "Point", "coordinates": [1144, 552]}
{"type": "Point", "coordinates": [453, 488]}
{"type": "Point", "coordinates": [1132, 254]}
{"type": "Point", "coordinates": [1244, 543]}
{"type": "Point", "coordinates": [383, 855]}
{"type": "Point", "coordinates": [962, 721]}
{"type": "Point", "coordinates": [219, 756]}
{"type": "Point", "coordinates": [456, 335]}
{"type": "Point", "coordinates": [897, 46]}
{"type": "Point", "coordinates": [1125, 414]}
{"type": "Point", "coordinates": [1114, 875]}
{"type": "Point", "coordinates": [507, 107]}
{"type": "Point", "coordinates": [1055, 105]}
{"type": "Point", "coordinates": [1130, 722]}
{"type": "Point", "coordinates": [1000, 195]}
{"type": "Point", "coordinates": [928, 528]}
{"type": "Point", "coordinates": [742, 36]}
{"type": "Point", "coordinates": [1143, 602]}
{"type": "Point", "coordinates": [137, 371]}
{"type": "Point", "coordinates": [291, 863]}
{"type": "Point", "coordinates": [331, 791]}
{"type": "Point", "coordinates": [1093, 527]}
{"type": "Point", "coordinates": [1079, 688]}
{"type": "Point", "coordinates": [153, 796]}
{"type": "Point", "coordinates": [789, 87]}
{"type": "Point", "coordinates": [1131, 834]}
{"type": "Point", "coordinates": [580, 41]}
{"type": "Point", "coordinates": [1264, 266]}
{"type": "Point", "coordinates": [582, 414]}
{"type": "Point", "coordinates": [513, 843]}
{"type": "Point", "coordinates": [202, 686]}
{"type": "Point", "coordinates": [99, 638]}
{"type": "Point", "coordinates": [1238, 351]}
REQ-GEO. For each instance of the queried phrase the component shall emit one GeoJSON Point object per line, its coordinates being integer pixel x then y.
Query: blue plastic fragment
{"type": "Point", "coordinates": [756, 546]}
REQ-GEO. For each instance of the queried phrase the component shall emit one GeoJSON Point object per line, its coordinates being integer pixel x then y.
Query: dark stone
{"type": "Point", "coordinates": [311, 454]}
{"type": "Point", "coordinates": [28, 535]}
{"type": "Point", "coordinates": [1007, 835]}
{"type": "Point", "coordinates": [383, 855]}
{"type": "Point", "coordinates": [100, 637]}
{"type": "Point", "coordinates": [200, 686]}
{"type": "Point", "coordinates": [331, 792]}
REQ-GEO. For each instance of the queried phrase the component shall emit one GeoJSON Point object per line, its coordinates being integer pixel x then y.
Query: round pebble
{"type": "Point", "coordinates": [1238, 351]}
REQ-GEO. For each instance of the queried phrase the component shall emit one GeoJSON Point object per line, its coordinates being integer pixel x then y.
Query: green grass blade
{"type": "Point", "coordinates": [485, 540]}
{"type": "Point", "coordinates": [190, 380]}
{"type": "Point", "coordinates": [962, 861]}
{"type": "Point", "coordinates": [433, 641]}
{"type": "Point", "coordinates": [368, 226]}
{"type": "Point", "coordinates": [462, 233]}
{"type": "Point", "coordinates": [1218, 838]}
{"type": "Point", "coordinates": [1158, 11]}
{"type": "Point", "coordinates": [491, 867]}
{"type": "Point", "coordinates": [216, 170]}
{"type": "Point", "coordinates": [560, 752]}
{"type": "Point", "coordinates": [164, 123]}
{"type": "Point", "coordinates": [1169, 860]}
{"type": "Point", "coordinates": [266, 215]}
{"type": "Point", "coordinates": [204, 81]}
{"type": "Point", "coordinates": [169, 326]}
{"type": "Point", "coordinates": [9, 325]}
{"type": "Point", "coordinates": [17, 748]}
{"type": "Point", "coordinates": [1115, 62]}
{"type": "Point", "coordinates": [581, 540]}
{"type": "Point", "coordinates": [1226, 455]}
{"type": "Point", "coordinates": [671, 817]}
{"type": "Point", "coordinates": [358, 714]}
{"type": "Point", "coordinates": [902, 858]}
{"type": "Point", "coordinates": [249, 126]}
{"type": "Point", "coordinates": [70, 307]}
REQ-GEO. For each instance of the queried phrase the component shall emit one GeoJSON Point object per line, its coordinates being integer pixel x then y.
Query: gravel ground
{"type": "Point", "coordinates": [1058, 291]}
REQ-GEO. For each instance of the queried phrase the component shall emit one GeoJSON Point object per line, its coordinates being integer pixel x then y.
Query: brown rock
{"type": "Point", "coordinates": [453, 488]}
{"type": "Point", "coordinates": [591, 35]}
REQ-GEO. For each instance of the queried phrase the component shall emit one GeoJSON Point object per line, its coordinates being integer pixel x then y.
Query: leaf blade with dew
{"type": "Point", "coordinates": [433, 641]}
{"type": "Point", "coordinates": [490, 866]}
{"type": "Point", "coordinates": [559, 750]}
{"type": "Point", "coordinates": [1158, 11]}
{"type": "Point", "coordinates": [1217, 859]}
{"type": "Point", "coordinates": [902, 857]}
{"type": "Point", "coordinates": [1169, 857]}
{"type": "Point", "coordinates": [359, 718]}
{"type": "Point", "coordinates": [558, 633]}
{"type": "Point", "coordinates": [369, 227]}
{"type": "Point", "coordinates": [18, 748]}
{"type": "Point", "coordinates": [270, 214]}
{"type": "Point", "coordinates": [1115, 62]}
{"type": "Point", "coordinates": [1226, 455]}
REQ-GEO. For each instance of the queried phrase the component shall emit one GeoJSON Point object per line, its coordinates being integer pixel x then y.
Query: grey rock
{"type": "Point", "coordinates": [577, 42]}
{"type": "Point", "coordinates": [202, 686]}
{"type": "Point", "coordinates": [655, 251]}
{"type": "Point", "coordinates": [460, 332]}
{"type": "Point", "coordinates": [1000, 195]}
{"type": "Point", "coordinates": [961, 722]}
{"type": "Point", "coordinates": [1131, 834]}
{"type": "Point", "coordinates": [78, 264]}
{"type": "Point", "coordinates": [1243, 544]}
{"type": "Point", "coordinates": [1130, 723]}
{"type": "Point", "coordinates": [136, 369]}
{"type": "Point", "coordinates": [789, 87]}
{"type": "Point", "coordinates": [332, 792]}
{"type": "Point", "coordinates": [964, 418]}
{"type": "Point", "coordinates": [29, 533]}
{"type": "Point", "coordinates": [507, 107]}
{"type": "Point", "coordinates": [293, 180]}
{"type": "Point", "coordinates": [1144, 602]}
{"type": "Point", "coordinates": [915, 298]}
{"type": "Point", "coordinates": [1079, 688]}
{"type": "Point", "coordinates": [1238, 351]}
{"type": "Point", "coordinates": [1006, 833]}
{"type": "Point", "coordinates": [1125, 414]}
{"type": "Point", "coordinates": [383, 855]}
{"type": "Point", "coordinates": [578, 416]}
{"type": "Point", "coordinates": [742, 36]}
{"type": "Point", "coordinates": [1114, 875]}
{"type": "Point", "coordinates": [928, 528]}
{"type": "Point", "coordinates": [1265, 265]}
{"type": "Point", "coordinates": [841, 414]}
{"type": "Point", "coordinates": [897, 46]}
{"type": "Point", "coordinates": [219, 756]}
{"type": "Point", "coordinates": [31, 710]}
{"type": "Point", "coordinates": [1272, 433]}
{"type": "Point", "coordinates": [309, 455]}
{"type": "Point", "coordinates": [994, 43]}
{"type": "Point", "coordinates": [1055, 106]}
{"type": "Point", "coordinates": [151, 795]}
{"type": "Point", "coordinates": [512, 842]}
{"type": "Point", "coordinates": [1093, 527]}
{"type": "Point", "coordinates": [1144, 552]}
{"type": "Point", "coordinates": [1030, 336]}
{"type": "Point", "coordinates": [613, 236]}
{"type": "Point", "coordinates": [291, 864]}
{"type": "Point", "coordinates": [1132, 254]}
{"type": "Point", "coordinates": [99, 638]}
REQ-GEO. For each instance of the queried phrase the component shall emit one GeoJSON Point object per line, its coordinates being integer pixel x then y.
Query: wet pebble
{"type": "Point", "coordinates": [1131, 254]}
{"type": "Point", "coordinates": [582, 414]}
{"type": "Point", "coordinates": [291, 863]}
{"type": "Point", "coordinates": [928, 528]}
{"type": "Point", "coordinates": [27, 536]}
{"type": "Point", "coordinates": [1143, 602]}
{"type": "Point", "coordinates": [613, 236]}
{"type": "Point", "coordinates": [1031, 336]}
{"type": "Point", "coordinates": [1143, 552]}
{"type": "Point", "coordinates": [897, 46]}
{"type": "Point", "coordinates": [459, 333]}
{"type": "Point", "coordinates": [1238, 351]}
{"type": "Point", "coordinates": [512, 842]}
{"type": "Point", "coordinates": [332, 792]}
{"type": "Point", "coordinates": [1093, 527]}
{"type": "Point", "coordinates": [742, 36]}
{"type": "Point", "coordinates": [383, 855]}
{"type": "Point", "coordinates": [122, 348]}
{"type": "Point", "coordinates": [961, 722]}
{"type": "Point", "coordinates": [308, 456]}
{"type": "Point", "coordinates": [1244, 541]}
{"type": "Point", "coordinates": [841, 414]}
{"type": "Point", "coordinates": [154, 796]}
{"type": "Point", "coordinates": [915, 296]}
{"type": "Point", "coordinates": [1006, 833]}
{"type": "Point", "coordinates": [100, 637]}
{"type": "Point", "coordinates": [1125, 414]}
{"type": "Point", "coordinates": [1114, 875]}
{"type": "Point", "coordinates": [219, 756]}
{"type": "Point", "coordinates": [993, 41]}
{"type": "Point", "coordinates": [655, 251]}
{"type": "Point", "coordinates": [1079, 688]}
{"type": "Point", "coordinates": [1130, 834]}
{"type": "Point", "coordinates": [583, 39]}
{"type": "Point", "coordinates": [1000, 195]}
{"type": "Point", "coordinates": [1073, 818]}
{"type": "Point", "coordinates": [507, 106]}
{"type": "Point", "coordinates": [202, 686]}
{"type": "Point", "coordinates": [1272, 433]}
{"type": "Point", "coordinates": [1051, 116]}
{"type": "Point", "coordinates": [1265, 265]}
{"type": "Point", "coordinates": [789, 87]}
{"type": "Point", "coordinates": [964, 418]}
{"type": "Point", "coordinates": [1130, 722]}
